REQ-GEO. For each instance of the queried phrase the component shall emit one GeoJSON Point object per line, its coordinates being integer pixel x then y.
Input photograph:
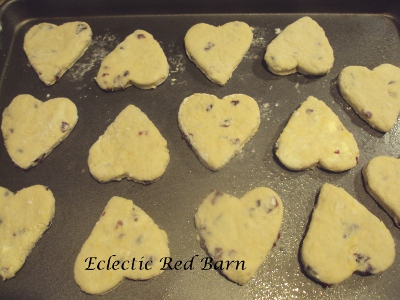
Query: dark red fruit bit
{"type": "Point", "coordinates": [209, 107]}
{"type": "Point", "coordinates": [47, 188]}
{"type": "Point", "coordinates": [367, 114]}
{"type": "Point", "coordinates": [14, 234]}
{"type": "Point", "coordinates": [105, 74]}
{"type": "Point", "coordinates": [361, 258]}
{"type": "Point", "coordinates": [235, 102]}
{"type": "Point", "coordinates": [81, 27]}
{"type": "Point", "coordinates": [309, 110]}
{"type": "Point", "coordinates": [279, 236]}
{"type": "Point", "coordinates": [217, 194]}
{"type": "Point", "coordinates": [226, 123]}
{"type": "Point", "coordinates": [135, 219]}
{"type": "Point", "coordinates": [357, 160]}
{"type": "Point", "coordinates": [126, 73]}
{"type": "Point", "coordinates": [103, 213]}
{"type": "Point", "coordinates": [122, 48]}
{"type": "Point", "coordinates": [119, 223]}
{"type": "Point", "coordinates": [274, 204]}
{"type": "Point", "coordinates": [39, 159]}
{"type": "Point", "coordinates": [236, 141]}
{"type": "Point", "coordinates": [64, 126]}
{"type": "Point", "coordinates": [209, 46]}
{"type": "Point", "coordinates": [337, 152]}
{"type": "Point", "coordinates": [141, 36]}
{"type": "Point", "coordinates": [258, 203]}
{"type": "Point", "coordinates": [370, 270]}
{"type": "Point", "coordinates": [218, 253]}
{"type": "Point", "coordinates": [144, 132]}
{"type": "Point", "coordinates": [147, 182]}
{"type": "Point", "coordinates": [57, 78]}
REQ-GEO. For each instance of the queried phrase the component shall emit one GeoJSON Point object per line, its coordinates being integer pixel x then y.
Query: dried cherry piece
{"type": "Point", "coordinates": [81, 27]}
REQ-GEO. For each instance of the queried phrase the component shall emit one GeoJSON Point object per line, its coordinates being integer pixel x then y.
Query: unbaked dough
{"type": "Point", "coordinates": [131, 147]}
{"type": "Point", "coordinates": [24, 217]}
{"type": "Point", "coordinates": [217, 129]}
{"type": "Point", "coordinates": [139, 60]}
{"type": "Point", "coordinates": [382, 180]}
{"type": "Point", "coordinates": [374, 95]}
{"type": "Point", "coordinates": [32, 128]}
{"type": "Point", "coordinates": [126, 234]}
{"type": "Point", "coordinates": [301, 47]}
{"type": "Point", "coordinates": [53, 49]}
{"type": "Point", "coordinates": [217, 51]}
{"type": "Point", "coordinates": [344, 237]}
{"type": "Point", "coordinates": [314, 136]}
{"type": "Point", "coordinates": [242, 230]}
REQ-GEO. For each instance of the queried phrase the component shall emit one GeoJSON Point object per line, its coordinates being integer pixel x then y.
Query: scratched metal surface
{"type": "Point", "coordinates": [357, 37]}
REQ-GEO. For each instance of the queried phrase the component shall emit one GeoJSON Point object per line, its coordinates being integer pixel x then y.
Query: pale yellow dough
{"type": "Point", "coordinates": [139, 60]}
{"type": "Point", "coordinates": [123, 232]}
{"type": "Point", "coordinates": [32, 128]}
{"type": "Point", "coordinates": [217, 51]}
{"type": "Point", "coordinates": [53, 49]}
{"type": "Point", "coordinates": [374, 95]}
{"type": "Point", "coordinates": [240, 230]}
{"type": "Point", "coordinates": [382, 180]}
{"type": "Point", "coordinates": [344, 237]}
{"type": "Point", "coordinates": [24, 217]}
{"type": "Point", "coordinates": [301, 47]}
{"type": "Point", "coordinates": [217, 129]}
{"type": "Point", "coordinates": [131, 147]}
{"type": "Point", "coordinates": [314, 136]}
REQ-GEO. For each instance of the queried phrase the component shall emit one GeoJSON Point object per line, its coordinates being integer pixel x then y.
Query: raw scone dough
{"type": "Point", "coordinates": [32, 128]}
{"type": "Point", "coordinates": [374, 95]}
{"type": "Point", "coordinates": [314, 136]}
{"type": "Point", "coordinates": [217, 51]}
{"type": "Point", "coordinates": [138, 61]}
{"type": "Point", "coordinates": [240, 230]}
{"type": "Point", "coordinates": [53, 49]}
{"type": "Point", "coordinates": [24, 217]}
{"type": "Point", "coordinates": [131, 147]}
{"type": "Point", "coordinates": [344, 237]}
{"type": "Point", "coordinates": [382, 180]}
{"type": "Point", "coordinates": [124, 233]}
{"type": "Point", "coordinates": [217, 129]}
{"type": "Point", "coordinates": [301, 47]}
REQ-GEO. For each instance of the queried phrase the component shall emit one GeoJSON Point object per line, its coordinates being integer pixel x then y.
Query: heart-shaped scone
{"type": "Point", "coordinates": [374, 95]}
{"type": "Point", "coordinates": [24, 217]}
{"type": "Point", "coordinates": [314, 136]}
{"type": "Point", "coordinates": [217, 129]}
{"type": "Point", "coordinates": [131, 147]}
{"type": "Point", "coordinates": [53, 49]}
{"type": "Point", "coordinates": [124, 243]}
{"type": "Point", "coordinates": [301, 47]}
{"type": "Point", "coordinates": [138, 60]}
{"type": "Point", "coordinates": [238, 234]}
{"type": "Point", "coordinates": [32, 128]}
{"type": "Point", "coordinates": [217, 51]}
{"type": "Point", "coordinates": [344, 237]}
{"type": "Point", "coordinates": [382, 180]}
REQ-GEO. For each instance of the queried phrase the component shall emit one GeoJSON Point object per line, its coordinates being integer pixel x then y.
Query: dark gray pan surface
{"type": "Point", "coordinates": [359, 36]}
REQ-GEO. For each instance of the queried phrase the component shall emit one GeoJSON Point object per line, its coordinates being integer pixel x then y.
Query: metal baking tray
{"type": "Point", "coordinates": [360, 32]}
